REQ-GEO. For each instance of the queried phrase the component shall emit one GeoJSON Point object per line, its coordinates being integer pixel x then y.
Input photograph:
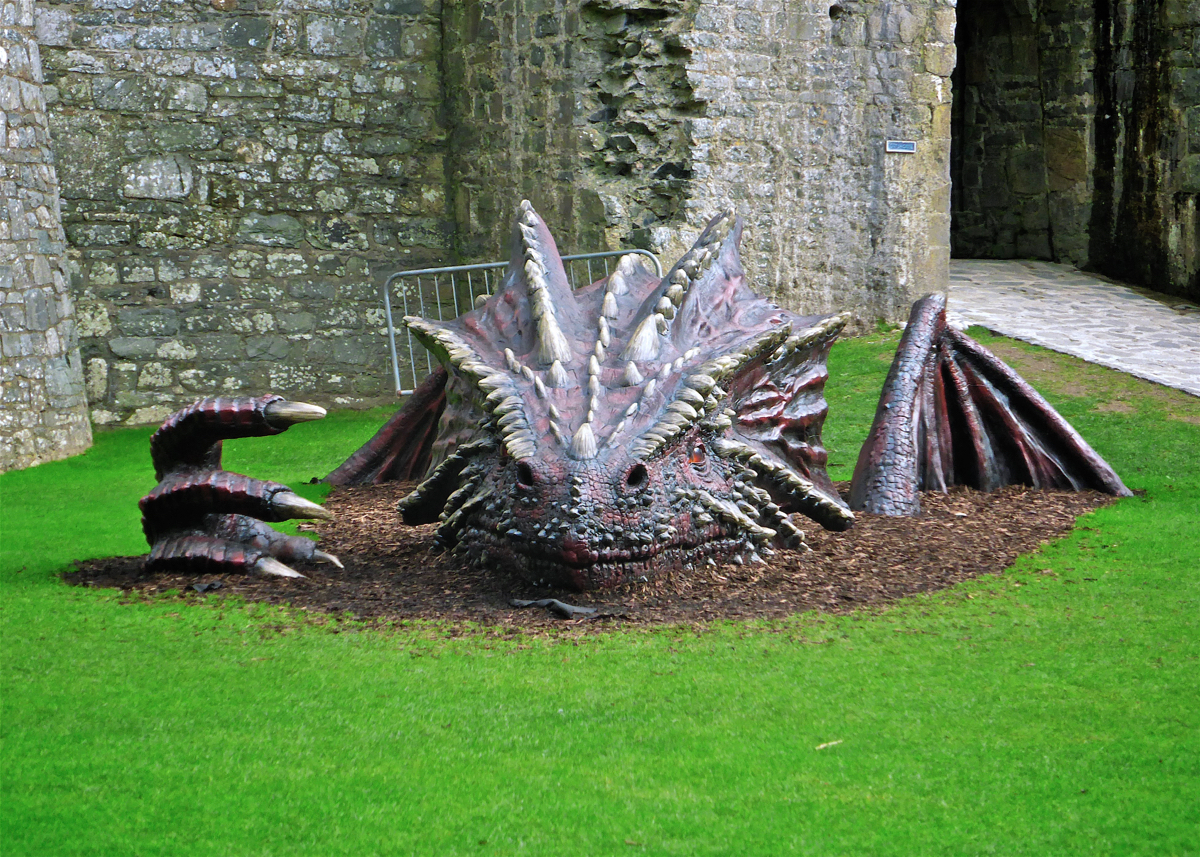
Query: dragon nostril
{"type": "Point", "coordinates": [525, 474]}
{"type": "Point", "coordinates": [637, 476]}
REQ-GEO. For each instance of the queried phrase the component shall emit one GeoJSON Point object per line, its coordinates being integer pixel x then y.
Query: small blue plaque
{"type": "Point", "coordinates": [903, 147]}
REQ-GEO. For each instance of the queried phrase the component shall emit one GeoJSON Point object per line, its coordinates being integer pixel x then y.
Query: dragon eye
{"type": "Point", "coordinates": [698, 456]}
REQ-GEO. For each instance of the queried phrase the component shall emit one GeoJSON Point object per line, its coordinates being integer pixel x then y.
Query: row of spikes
{"type": "Point", "coordinates": [698, 396]}
{"type": "Point", "coordinates": [645, 343]}
{"type": "Point", "coordinates": [552, 344]}
{"type": "Point", "coordinates": [784, 477]}
{"type": "Point", "coordinates": [447, 472]}
{"type": "Point", "coordinates": [584, 444]}
{"type": "Point", "coordinates": [501, 397]}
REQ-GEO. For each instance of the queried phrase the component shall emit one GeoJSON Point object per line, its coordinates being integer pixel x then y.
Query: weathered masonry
{"type": "Point", "coordinates": [238, 175]}
{"type": "Point", "coordinates": [43, 411]}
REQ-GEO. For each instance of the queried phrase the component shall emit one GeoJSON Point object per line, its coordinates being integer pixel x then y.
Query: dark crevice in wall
{"type": "Point", "coordinates": [1130, 225]}
{"type": "Point", "coordinates": [637, 107]}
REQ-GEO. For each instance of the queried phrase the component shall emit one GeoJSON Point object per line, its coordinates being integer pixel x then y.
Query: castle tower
{"type": "Point", "coordinates": [43, 409]}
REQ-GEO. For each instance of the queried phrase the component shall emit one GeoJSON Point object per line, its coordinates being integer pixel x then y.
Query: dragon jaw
{"type": "Point", "coordinates": [637, 424]}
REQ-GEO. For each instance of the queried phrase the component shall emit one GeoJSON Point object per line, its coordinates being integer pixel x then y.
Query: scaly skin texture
{"type": "Point", "coordinates": [594, 437]}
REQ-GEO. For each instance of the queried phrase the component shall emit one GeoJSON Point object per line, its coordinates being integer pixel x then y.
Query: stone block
{"type": "Point", "coordinates": [186, 292]}
{"type": "Point", "coordinates": [307, 108]}
{"type": "Point", "coordinates": [337, 233]}
{"type": "Point", "coordinates": [209, 265]}
{"type": "Point", "coordinates": [219, 346]}
{"type": "Point", "coordinates": [93, 321]}
{"type": "Point", "coordinates": [154, 38]}
{"type": "Point", "coordinates": [286, 264]}
{"type": "Point", "coordinates": [96, 379]}
{"type": "Point", "coordinates": [295, 322]}
{"type": "Point", "coordinates": [267, 347]}
{"type": "Point", "coordinates": [98, 234]}
{"type": "Point", "coordinates": [311, 289]}
{"type": "Point", "coordinates": [1181, 13]}
{"type": "Point", "coordinates": [328, 37]}
{"type": "Point", "coordinates": [1187, 174]}
{"type": "Point", "coordinates": [385, 38]}
{"type": "Point", "coordinates": [133, 347]}
{"type": "Point", "coordinates": [940, 59]}
{"type": "Point", "coordinates": [53, 26]}
{"type": "Point", "coordinates": [247, 32]}
{"type": "Point", "coordinates": [246, 263]}
{"type": "Point", "coordinates": [158, 177]}
{"type": "Point", "coordinates": [40, 313]}
{"type": "Point", "coordinates": [274, 230]}
{"type": "Point", "coordinates": [148, 321]}
{"type": "Point", "coordinates": [1185, 86]}
{"type": "Point", "coordinates": [123, 95]}
{"type": "Point", "coordinates": [1066, 157]}
{"type": "Point", "coordinates": [200, 36]}
{"type": "Point", "coordinates": [186, 95]}
{"type": "Point", "coordinates": [1026, 172]}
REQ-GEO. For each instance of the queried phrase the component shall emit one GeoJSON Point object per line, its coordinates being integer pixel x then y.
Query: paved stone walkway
{"type": "Point", "coordinates": [1101, 321]}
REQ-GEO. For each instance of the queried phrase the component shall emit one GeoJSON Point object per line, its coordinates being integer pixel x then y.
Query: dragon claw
{"type": "Point", "coordinates": [202, 517]}
{"type": "Point", "coordinates": [282, 413]}
{"type": "Point", "coordinates": [294, 506]}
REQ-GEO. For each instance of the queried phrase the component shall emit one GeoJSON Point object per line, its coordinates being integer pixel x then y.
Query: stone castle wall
{"type": "Point", "coordinates": [632, 122]}
{"type": "Point", "coordinates": [43, 411]}
{"type": "Point", "coordinates": [242, 174]}
{"type": "Point", "coordinates": [1145, 223]}
{"type": "Point", "coordinates": [235, 177]}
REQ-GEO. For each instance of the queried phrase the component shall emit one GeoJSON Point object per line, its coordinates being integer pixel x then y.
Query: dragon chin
{"type": "Point", "coordinates": [584, 567]}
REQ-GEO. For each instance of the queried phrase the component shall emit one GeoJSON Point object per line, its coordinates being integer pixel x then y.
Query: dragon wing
{"type": "Point", "coordinates": [952, 413]}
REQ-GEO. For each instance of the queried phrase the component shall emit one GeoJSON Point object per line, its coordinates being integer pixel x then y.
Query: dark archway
{"type": "Point", "coordinates": [1000, 206]}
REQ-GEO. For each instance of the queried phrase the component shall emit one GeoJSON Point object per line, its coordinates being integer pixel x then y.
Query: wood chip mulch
{"type": "Point", "coordinates": [391, 574]}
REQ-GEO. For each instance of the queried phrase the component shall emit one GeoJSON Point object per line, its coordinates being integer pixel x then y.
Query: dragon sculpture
{"type": "Point", "coordinates": [590, 438]}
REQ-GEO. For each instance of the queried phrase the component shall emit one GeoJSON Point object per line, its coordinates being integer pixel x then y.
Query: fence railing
{"type": "Point", "coordinates": [449, 292]}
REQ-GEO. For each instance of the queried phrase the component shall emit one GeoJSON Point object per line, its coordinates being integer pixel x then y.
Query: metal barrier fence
{"type": "Point", "coordinates": [452, 291]}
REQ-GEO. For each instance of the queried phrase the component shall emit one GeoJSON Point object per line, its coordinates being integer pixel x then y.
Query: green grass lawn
{"type": "Point", "coordinates": [1052, 710]}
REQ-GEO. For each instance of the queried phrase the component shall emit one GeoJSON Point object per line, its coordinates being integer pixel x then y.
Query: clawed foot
{"type": "Point", "coordinates": [205, 519]}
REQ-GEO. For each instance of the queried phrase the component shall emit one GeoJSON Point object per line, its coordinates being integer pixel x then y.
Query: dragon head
{"type": "Point", "coordinates": [599, 436]}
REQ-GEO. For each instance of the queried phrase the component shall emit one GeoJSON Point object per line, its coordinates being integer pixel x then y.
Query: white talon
{"type": "Point", "coordinates": [321, 556]}
{"type": "Point", "coordinates": [275, 568]}
{"type": "Point", "coordinates": [295, 506]}
{"type": "Point", "coordinates": [281, 414]}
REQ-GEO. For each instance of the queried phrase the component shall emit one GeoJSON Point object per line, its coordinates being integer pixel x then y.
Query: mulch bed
{"type": "Point", "coordinates": [391, 573]}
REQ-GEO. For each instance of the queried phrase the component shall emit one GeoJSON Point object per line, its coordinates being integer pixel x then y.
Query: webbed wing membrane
{"type": "Point", "coordinates": [779, 408]}
{"type": "Point", "coordinates": [402, 448]}
{"type": "Point", "coordinates": [952, 413]}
